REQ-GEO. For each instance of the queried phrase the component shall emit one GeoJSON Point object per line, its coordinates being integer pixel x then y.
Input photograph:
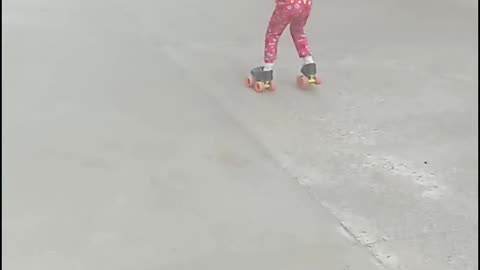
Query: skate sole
{"type": "Point", "coordinates": [259, 86]}
{"type": "Point", "coordinates": [304, 82]}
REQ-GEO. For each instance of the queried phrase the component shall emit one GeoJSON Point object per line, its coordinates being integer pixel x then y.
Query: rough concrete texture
{"type": "Point", "coordinates": [129, 141]}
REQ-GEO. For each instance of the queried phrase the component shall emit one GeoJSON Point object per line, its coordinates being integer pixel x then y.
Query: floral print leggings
{"type": "Point", "coordinates": [295, 13]}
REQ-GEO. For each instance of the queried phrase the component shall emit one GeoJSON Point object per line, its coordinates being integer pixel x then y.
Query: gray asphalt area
{"type": "Point", "coordinates": [129, 141]}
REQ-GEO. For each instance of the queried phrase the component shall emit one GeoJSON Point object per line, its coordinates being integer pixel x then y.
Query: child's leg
{"type": "Point", "coordinates": [298, 34]}
{"type": "Point", "coordinates": [278, 22]}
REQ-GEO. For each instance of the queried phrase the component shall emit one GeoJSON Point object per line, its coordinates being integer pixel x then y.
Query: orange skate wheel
{"type": "Point", "coordinates": [302, 82]}
{"type": "Point", "coordinates": [259, 86]}
{"type": "Point", "coordinates": [249, 82]}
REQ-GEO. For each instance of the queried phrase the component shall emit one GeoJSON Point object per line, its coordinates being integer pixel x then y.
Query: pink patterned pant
{"type": "Point", "coordinates": [295, 13]}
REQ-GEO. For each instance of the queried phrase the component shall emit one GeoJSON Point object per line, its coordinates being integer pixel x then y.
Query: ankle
{"type": "Point", "coordinates": [308, 60]}
{"type": "Point", "coordinates": [268, 66]}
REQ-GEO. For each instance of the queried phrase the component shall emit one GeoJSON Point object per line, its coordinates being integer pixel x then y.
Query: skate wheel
{"type": "Point", "coordinates": [259, 86]}
{"type": "Point", "coordinates": [249, 81]}
{"type": "Point", "coordinates": [317, 80]}
{"type": "Point", "coordinates": [302, 82]}
{"type": "Point", "coordinates": [273, 86]}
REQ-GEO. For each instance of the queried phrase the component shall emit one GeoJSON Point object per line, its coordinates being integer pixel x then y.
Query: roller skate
{"type": "Point", "coordinates": [260, 80]}
{"type": "Point", "coordinates": [308, 76]}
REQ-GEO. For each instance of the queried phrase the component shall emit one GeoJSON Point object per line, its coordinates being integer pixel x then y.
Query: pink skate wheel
{"type": "Point", "coordinates": [249, 81]}
{"type": "Point", "coordinates": [302, 82]}
{"type": "Point", "coordinates": [317, 80]}
{"type": "Point", "coordinates": [273, 86]}
{"type": "Point", "coordinates": [259, 87]}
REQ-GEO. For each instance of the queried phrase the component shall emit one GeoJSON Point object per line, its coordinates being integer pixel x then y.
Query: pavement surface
{"type": "Point", "coordinates": [129, 141]}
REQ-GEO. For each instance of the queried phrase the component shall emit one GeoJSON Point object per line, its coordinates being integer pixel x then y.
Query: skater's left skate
{"type": "Point", "coordinates": [261, 79]}
{"type": "Point", "coordinates": [309, 76]}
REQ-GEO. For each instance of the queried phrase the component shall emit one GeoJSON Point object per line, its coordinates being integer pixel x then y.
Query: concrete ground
{"type": "Point", "coordinates": [129, 141]}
